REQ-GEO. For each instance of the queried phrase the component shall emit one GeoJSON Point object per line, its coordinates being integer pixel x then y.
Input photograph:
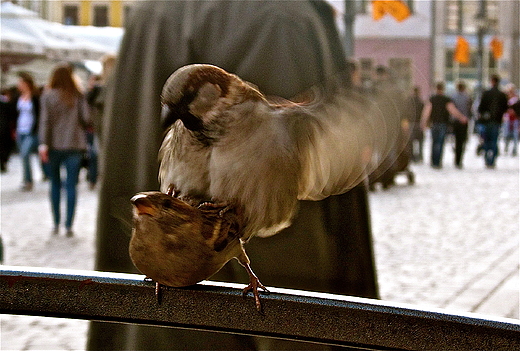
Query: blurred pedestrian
{"type": "Point", "coordinates": [96, 95]}
{"type": "Point", "coordinates": [511, 120]}
{"type": "Point", "coordinates": [390, 101]}
{"type": "Point", "coordinates": [491, 109]}
{"type": "Point", "coordinates": [27, 109]}
{"type": "Point", "coordinates": [93, 89]}
{"type": "Point", "coordinates": [437, 111]}
{"type": "Point", "coordinates": [463, 103]}
{"type": "Point", "coordinates": [283, 47]}
{"type": "Point", "coordinates": [64, 118]}
{"type": "Point", "coordinates": [7, 126]}
{"type": "Point", "coordinates": [414, 108]}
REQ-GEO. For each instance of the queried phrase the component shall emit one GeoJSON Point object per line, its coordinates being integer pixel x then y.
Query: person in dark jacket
{"type": "Point", "coordinates": [415, 106]}
{"type": "Point", "coordinates": [7, 125]}
{"type": "Point", "coordinates": [283, 47]}
{"type": "Point", "coordinates": [463, 102]}
{"type": "Point", "coordinates": [491, 109]}
{"type": "Point", "coordinates": [437, 112]}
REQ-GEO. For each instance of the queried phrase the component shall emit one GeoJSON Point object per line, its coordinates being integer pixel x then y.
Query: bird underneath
{"type": "Point", "coordinates": [227, 145]}
{"type": "Point", "coordinates": [177, 243]}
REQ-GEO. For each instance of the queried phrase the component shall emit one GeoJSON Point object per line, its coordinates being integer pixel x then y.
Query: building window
{"type": "Point", "coordinates": [71, 15]}
{"type": "Point", "coordinates": [469, 72]}
{"type": "Point", "coordinates": [366, 68]}
{"type": "Point", "coordinates": [460, 16]}
{"type": "Point", "coordinates": [126, 13]}
{"type": "Point", "coordinates": [401, 69]}
{"type": "Point", "coordinates": [100, 16]}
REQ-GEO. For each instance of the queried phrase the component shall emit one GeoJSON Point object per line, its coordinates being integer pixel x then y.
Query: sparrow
{"type": "Point", "coordinates": [227, 143]}
{"type": "Point", "coordinates": [179, 243]}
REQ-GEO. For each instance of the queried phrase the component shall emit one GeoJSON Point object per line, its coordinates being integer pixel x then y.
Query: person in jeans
{"type": "Point", "coordinates": [492, 107]}
{"type": "Point", "coordinates": [27, 108]}
{"type": "Point", "coordinates": [64, 115]}
{"type": "Point", "coordinates": [437, 112]}
{"type": "Point", "coordinates": [463, 103]}
{"type": "Point", "coordinates": [511, 120]}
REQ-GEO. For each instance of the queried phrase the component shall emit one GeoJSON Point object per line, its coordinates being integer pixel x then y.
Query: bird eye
{"type": "Point", "coordinates": [167, 203]}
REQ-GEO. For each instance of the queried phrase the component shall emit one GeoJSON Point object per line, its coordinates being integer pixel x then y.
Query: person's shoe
{"type": "Point", "coordinates": [70, 233]}
{"type": "Point", "coordinates": [56, 230]}
{"type": "Point", "coordinates": [27, 187]}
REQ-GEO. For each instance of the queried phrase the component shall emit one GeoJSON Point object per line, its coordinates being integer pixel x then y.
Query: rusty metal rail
{"type": "Point", "coordinates": [288, 314]}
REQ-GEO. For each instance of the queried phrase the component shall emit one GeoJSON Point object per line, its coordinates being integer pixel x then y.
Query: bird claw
{"type": "Point", "coordinates": [172, 191]}
{"type": "Point", "coordinates": [253, 286]}
{"type": "Point", "coordinates": [254, 283]}
{"type": "Point", "coordinates": [208, 206]}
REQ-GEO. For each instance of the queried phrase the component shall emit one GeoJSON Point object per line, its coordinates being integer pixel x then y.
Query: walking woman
{"type": "Point", "coordinates": [64, 117]}
{"type": "Point", "coordinates": [27, 109]}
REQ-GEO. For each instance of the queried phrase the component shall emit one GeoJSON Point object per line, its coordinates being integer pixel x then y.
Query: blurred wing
{"type": "Point", "coordinates": [341, 141]}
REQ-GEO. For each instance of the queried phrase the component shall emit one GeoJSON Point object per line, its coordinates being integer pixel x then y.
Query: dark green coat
{"type": "Point", "coordinates": [283, 48]}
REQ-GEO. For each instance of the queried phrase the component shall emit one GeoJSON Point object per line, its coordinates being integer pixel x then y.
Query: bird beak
{"type": "Point", "coordinates": [143, 205]}
{"type": "Point", "coordinates": [167, 117]}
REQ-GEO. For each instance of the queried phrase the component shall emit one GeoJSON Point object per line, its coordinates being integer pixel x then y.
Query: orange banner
{"type": "Point", "coordinates": [395, 8]}
{"type": "Point", "coordinates": [462, 51]}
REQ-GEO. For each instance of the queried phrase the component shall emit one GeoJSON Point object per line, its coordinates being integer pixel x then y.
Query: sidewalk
{"type": "Point", "coordinates": [449, 241]}
{"type": "Point", "coordinates": [452, 239]}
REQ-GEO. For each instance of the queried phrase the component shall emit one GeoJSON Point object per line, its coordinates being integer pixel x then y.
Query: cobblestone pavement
{"type": "Point", "coordinates": [449, 241]}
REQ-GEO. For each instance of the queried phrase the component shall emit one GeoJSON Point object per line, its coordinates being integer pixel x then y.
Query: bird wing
{"type": "Point", "coordinates": [340, 140]}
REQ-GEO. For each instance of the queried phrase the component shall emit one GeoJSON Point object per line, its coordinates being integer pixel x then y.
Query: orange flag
{"type": "Point", "coordinates": [395, 8]}
{"type": "Point", "coordinates": [378, 10]}
{"type": "Point", "coordinates": [462, 52]}
{"type": "Point", "coordinates": [497, 48]}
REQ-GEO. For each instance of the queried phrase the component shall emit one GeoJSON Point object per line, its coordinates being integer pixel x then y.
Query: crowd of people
{"type": "Point", "coordinates": [62, 123]}
{"type": "Point", "coordinates": [496, 112]}
{"type": "Point", "coordinates": [58, 123]}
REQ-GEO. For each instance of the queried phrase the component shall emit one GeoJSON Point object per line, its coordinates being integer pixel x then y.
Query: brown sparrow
{"type": "Point", "coordinates": [178, 244]}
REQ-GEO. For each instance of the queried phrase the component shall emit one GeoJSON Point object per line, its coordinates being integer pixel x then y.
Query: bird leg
{"type": "Point", "coordinates": [254, 282]}
{"type": "Point", "coordinates": [158, 291]}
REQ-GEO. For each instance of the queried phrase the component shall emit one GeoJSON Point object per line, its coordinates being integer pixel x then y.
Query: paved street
{"type": "Point", "coordinates": [449, 241]}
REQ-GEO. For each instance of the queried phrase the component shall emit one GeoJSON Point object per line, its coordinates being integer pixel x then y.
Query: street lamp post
{"type": "Point", "coordinates": [482, 23]}
{"type": "Point", "coordinates": [349, 17]}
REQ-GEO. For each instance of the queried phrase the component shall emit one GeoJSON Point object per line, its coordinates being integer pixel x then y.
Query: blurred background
{"type": "Point", "coordinates": [419, 46]}
{"type": "Point", "coordinates": [449, 239]}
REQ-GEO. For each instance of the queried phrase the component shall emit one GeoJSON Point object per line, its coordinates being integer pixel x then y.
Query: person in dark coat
{"type": "Point", "coordinates": [415, 106]}
{"type": "Point", "coordinates": [463, 103]}
{"type": "Point", "coordinates": [7, 126]}
{"type": "Point", "coordinates": [283, 47]}
{"type": "Point", "coordinates": [492, 107]}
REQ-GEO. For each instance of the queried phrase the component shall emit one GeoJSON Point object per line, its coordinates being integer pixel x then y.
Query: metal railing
{"type": "Point", "coordinates": [288, 314]}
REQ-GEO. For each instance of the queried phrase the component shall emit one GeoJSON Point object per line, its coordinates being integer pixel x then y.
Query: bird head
{"type": "Point", "coordinates": [197, 94]}
{"type": "Point", "coordinates": [162, 207]}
